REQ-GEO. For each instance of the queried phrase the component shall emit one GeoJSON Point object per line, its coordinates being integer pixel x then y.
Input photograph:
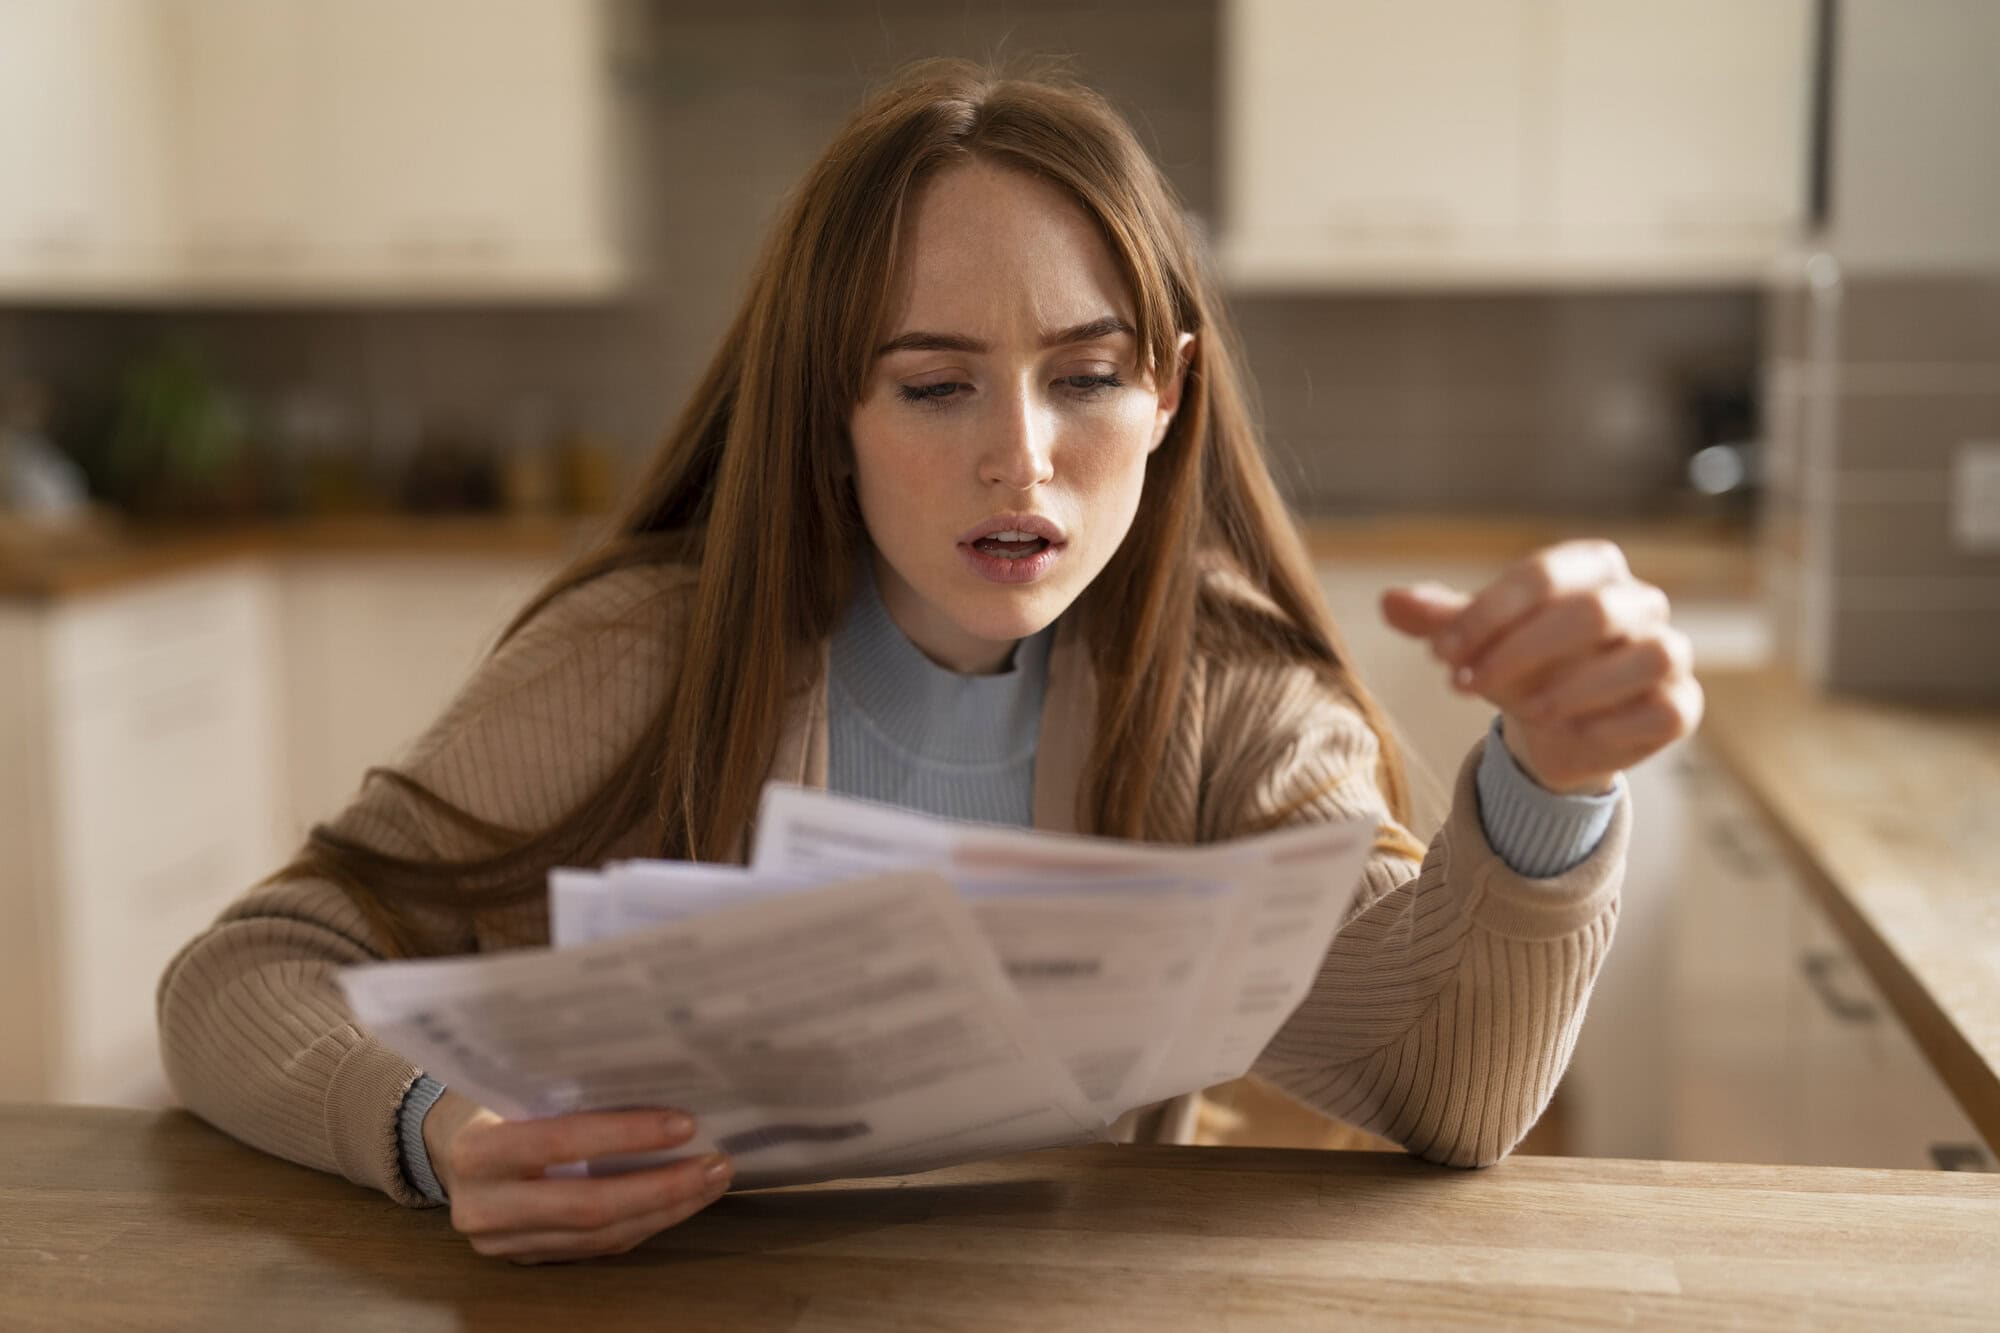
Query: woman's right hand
{"type": "Point", "coordinates": [492, 1171]}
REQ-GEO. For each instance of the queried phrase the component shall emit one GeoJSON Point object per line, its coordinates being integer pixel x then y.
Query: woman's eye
{"type": "Point", "coordinates": [936, 395]}
{"type": "Point", "coordinates": [945, 393]}
{"type": "Point", "coordinates": [1087, 385]}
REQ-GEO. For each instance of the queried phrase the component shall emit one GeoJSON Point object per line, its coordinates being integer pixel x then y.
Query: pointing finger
{"type": "Point", "coordinates": [1424, 609]}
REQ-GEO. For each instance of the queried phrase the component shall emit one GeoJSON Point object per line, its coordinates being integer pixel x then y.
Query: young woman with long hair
{"type": "Point", "coordinates": [968, 513]}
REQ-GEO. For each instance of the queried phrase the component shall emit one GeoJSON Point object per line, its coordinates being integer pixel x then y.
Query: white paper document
{"type": "Point", "coordinates": [882, 992]}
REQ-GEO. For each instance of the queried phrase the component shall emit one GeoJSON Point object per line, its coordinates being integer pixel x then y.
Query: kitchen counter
{"type": "Point", "coordinates": [114, 1217]}
{"type": "Point", "coordinates": [102, 559]}
{"type": "Point", "coordinates": [1893, 812]}
{"type": "Point", "coordinates": [1689, 559]}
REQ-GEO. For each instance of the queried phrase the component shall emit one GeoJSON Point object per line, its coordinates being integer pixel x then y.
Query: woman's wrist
{"type": "Point", "coordinates": [1587, 784]}
{"type": "Point", "coordinates": [1538, 833]}
{"type": "Point", "coordinates": [449, 1115]}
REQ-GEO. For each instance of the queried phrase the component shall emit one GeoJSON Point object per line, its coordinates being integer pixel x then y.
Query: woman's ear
{"type": "Point", "coordinates": [1170, 392]}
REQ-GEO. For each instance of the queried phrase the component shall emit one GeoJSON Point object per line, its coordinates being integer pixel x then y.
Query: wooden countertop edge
{"type": "Point", "coordinates": [1972, 1080]}
{"type": "Point", "coordinates": [1688, 559]}
{"type": "Point", "coordinates": [45, 579]}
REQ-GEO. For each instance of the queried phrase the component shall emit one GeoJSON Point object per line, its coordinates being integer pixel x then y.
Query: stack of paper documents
{"type": "Point", "coordinates": [881, 992]}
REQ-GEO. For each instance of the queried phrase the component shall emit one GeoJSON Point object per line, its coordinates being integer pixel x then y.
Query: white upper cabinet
{"type": "Point", "coordinates": [1916, 166]}
{"type": "Point", "coordinates": [369, 148]}
{"type": "Point", "coordinates": [249, 201]}
{"type": "Point", "coordinates": [1511, 142]}
{"type": "Point", "coordinates": [465, 142]}
{"type": "Point", "coordinates": [1393, 126]}
{"type": "Point", "coordinates": [82, 176]}
{"type": "Point", "coordinates": [1678, 129]}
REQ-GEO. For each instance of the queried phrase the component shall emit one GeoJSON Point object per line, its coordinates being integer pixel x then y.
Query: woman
{"type": "Point", "coordinates": [968, 513]}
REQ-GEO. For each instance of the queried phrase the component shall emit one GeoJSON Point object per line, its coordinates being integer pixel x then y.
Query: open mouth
{"type": "Point", "coordinates": [1014, 548]}
{"type": "Point", "coordinates": [1011, 545]}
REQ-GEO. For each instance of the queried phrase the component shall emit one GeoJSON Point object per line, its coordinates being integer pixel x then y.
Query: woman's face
{"type": "Point", "coordinates": [1001, 440]}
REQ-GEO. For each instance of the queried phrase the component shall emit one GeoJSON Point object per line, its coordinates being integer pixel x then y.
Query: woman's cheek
{"type": "Point", "coordinates": [893, 470]}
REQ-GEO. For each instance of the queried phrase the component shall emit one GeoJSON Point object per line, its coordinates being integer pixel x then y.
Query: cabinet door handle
{"type": "Point", "coordinates": [1819, 966]}
{"type": "Point", "coordinates": [1960, 1157]}
{"type": "Point", "coordinates": [1732, 845]}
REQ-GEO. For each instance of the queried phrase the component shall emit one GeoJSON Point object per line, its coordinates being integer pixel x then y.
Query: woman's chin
{"type": "Point", "coordinates": [1015, 613]}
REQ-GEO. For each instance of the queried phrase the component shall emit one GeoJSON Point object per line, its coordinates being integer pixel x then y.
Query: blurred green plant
{"type": "Point", "coordinates": [175, 443]}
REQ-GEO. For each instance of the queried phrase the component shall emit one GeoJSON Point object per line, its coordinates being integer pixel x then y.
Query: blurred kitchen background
{"type": "Point", "coordinates": [327, 329]}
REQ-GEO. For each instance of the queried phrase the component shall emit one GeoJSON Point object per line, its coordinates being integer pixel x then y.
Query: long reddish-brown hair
{"type": "Point", "coordinates": [749, 486]}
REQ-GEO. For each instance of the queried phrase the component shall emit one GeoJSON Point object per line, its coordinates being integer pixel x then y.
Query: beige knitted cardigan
{"type": "Point", "coordinates": [1445, 1012]}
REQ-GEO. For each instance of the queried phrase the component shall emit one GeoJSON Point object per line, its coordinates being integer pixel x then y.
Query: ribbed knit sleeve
{"type": "Point", "coordinates": [1449, 1004]}
{"type": "Point", "coordinates": [254, 1033]}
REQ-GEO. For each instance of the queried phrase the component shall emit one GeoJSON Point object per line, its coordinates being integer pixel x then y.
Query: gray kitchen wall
{"type": "Point", "coordinates": [1564, 403]}
{"type": "Point", "coordinates": [1876, 381]}
{"type": "Point", "coordinates": [1531, 402]}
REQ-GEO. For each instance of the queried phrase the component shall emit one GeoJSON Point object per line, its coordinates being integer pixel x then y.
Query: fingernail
{"type": "Point", "coordinates": [1462, 678]}
{"type": "Point", "coordinates": [716, 1170]}
{"type": "Point", "coordinates": [677, 1124]}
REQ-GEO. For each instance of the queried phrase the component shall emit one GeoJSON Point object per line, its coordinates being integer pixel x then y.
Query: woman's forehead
{"type": "Point", "coordinates": [990, 252]}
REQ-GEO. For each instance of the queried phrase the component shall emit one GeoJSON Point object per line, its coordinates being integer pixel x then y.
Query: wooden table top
{"type": "Point", "coordinates": [1893, 812]}
{"type": "Point", "coordinates": [149, 1219]}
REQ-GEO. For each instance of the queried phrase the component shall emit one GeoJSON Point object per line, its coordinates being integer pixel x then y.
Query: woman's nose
{"type": "Point", "coordinates": [1019, 452]}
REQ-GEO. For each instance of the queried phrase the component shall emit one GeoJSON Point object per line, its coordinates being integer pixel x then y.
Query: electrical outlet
{"type": "Point", "coordinates": [1975, 495]}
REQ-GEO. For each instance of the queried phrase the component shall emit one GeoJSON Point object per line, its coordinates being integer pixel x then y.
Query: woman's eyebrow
{"type": "Point", "coordinates": [1104, 326]}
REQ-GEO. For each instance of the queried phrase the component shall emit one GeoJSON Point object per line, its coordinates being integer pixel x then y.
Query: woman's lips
{"type": "Point", "coordinates": [984, 556]}
{"type": "Point", "coordinates": [1020, 524]}
{"type": "Point", "coordinates": [1016, 547]}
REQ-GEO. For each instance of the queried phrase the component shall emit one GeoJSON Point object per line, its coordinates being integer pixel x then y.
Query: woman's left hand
{"type": "Point", "coordinates": [1576, 654]}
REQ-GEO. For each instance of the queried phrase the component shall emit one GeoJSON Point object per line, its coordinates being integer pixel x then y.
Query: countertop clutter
{"type": "Point", "coordinates": [1894, 812]}
{"type": "Point", "coordinates": [120, 1216]}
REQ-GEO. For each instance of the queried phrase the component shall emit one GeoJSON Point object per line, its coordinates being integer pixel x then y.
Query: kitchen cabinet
{"type": "Point", "coordinates": [1394, 131]}
{"type": "Point", "coordinates": [236, 149]}
{"type": "Point", "coordinates": [169, 741]}
{"type": "Point", "coordinates": [82, 147]}
{"type": "Point", "coordinates": [249, 184]}
{"type": "Point", "coordinates": [374, 648]}
{"type": "Point", "coordinates": [1867, 1094]}
{"type": "Point", "coordinates": [1511, 142]}
{"type": "Point", "coordinates": [142, 732]}
{"type": "Point", "coordinates": [1913, 178]}
{"type": "Point", "coordinates": [480, 151]}
{"type": "Point", "coordinates": [1676, 131]}
{"type": "Point", "coordinates": [1782, 1050]}
{"type": "Point", "coordinates": [455, 147]}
